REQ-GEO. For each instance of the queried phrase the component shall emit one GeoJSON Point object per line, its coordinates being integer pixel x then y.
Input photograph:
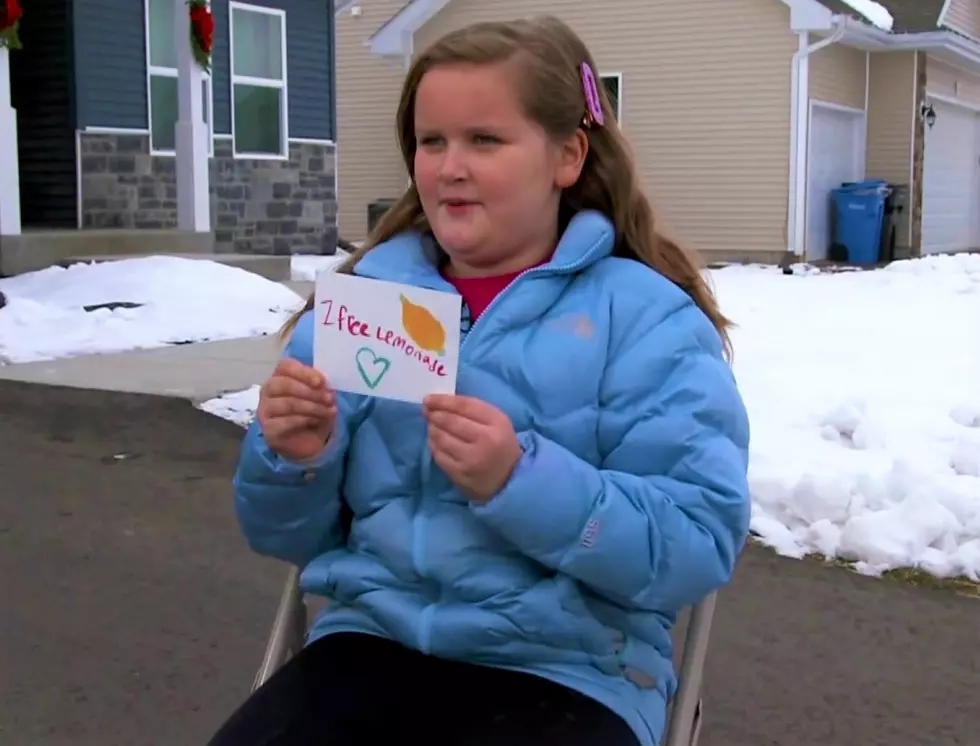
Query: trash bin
{"type": "Point", "coordinates": [376, 211]}
{"type": "Point", "coordinates": [859, 212]}
{"type": "Point", "coordinates": [895, 207]}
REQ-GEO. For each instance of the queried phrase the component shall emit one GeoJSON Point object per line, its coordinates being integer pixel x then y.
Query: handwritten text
{"type": "Point", "coordinates": [346, 322]}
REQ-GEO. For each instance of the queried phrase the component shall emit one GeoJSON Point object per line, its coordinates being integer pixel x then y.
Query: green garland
{"type": "Point", "coordinates": [10, 15]}
{"type": "Point", "coordinates": [201, 24]}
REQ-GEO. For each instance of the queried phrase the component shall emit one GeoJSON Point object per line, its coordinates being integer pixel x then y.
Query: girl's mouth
{"type": "Point", "coordinates": [457, 206]}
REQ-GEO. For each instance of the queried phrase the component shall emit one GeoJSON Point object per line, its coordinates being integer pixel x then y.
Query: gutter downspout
{"type": "Point", "coordinates": [800, 135]}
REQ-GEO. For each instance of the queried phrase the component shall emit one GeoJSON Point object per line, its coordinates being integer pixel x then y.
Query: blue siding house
{"type": "Point", "coordinates": [95, 92]}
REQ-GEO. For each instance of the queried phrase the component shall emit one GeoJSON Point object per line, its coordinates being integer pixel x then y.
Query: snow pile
{"type": "Point", "coordinates": [135, 303]}
{"type": "Point", "coordinates": [304, 267]}
{"type": "Point", "coordinates": [864, 393]}
{"type": "Point", "coordinates": [237, 406]}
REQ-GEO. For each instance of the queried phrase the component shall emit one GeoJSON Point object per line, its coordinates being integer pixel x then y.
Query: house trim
{"type": "Point", "coordinates": [912, 141]}
{"type": "Point", "coordinates": [282, 85]}
{"type": "Point", "coordinates": [619, 88]}
{"type": "Point", "coordinates": [170, 72]}
{"type": "Point", "coordinates": [394, 38]}
{"type": "Point", "coordinates": [9, 171]}
{"type": "Point", "coordinates": [943, 12]}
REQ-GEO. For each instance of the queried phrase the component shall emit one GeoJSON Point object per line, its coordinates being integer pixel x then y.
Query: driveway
{"type": "Point", "coordinates": [134, 614]}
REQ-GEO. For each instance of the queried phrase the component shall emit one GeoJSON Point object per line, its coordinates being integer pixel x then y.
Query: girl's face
{"type": "Point", "coordinates": [488, 177]}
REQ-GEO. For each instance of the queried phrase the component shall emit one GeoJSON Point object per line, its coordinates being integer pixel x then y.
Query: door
{"type": "Point", "coordinates": [951, 180]}
{"type": "Point", "coordinates": [836, 155]}
{"type": "Point", "coordinates": [42, 90]}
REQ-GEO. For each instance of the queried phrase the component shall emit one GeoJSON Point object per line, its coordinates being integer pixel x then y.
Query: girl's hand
{"type": "Point", "coordinates": [297, 411]}
{"type": "Point", "coordinates": [473, 442]}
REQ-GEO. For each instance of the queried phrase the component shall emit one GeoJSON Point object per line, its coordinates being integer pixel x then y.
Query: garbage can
{"type": "Point", "coordinates": [376, 211]}
{"type": "Point", "coordinates": [859, 212]}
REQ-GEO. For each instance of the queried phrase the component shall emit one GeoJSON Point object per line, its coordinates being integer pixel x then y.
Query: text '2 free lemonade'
{"type": "Point", "coordinates": [421, 328]}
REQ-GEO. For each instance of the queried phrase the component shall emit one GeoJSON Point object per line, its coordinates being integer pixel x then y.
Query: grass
{"type": "Point", "coordinates": [908, 575]}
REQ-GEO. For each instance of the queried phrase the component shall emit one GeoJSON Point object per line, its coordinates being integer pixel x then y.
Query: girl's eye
{"type": "Point", "coordinates": [430, 141]}
{"type": "Point", "coordinates": [484, 139]}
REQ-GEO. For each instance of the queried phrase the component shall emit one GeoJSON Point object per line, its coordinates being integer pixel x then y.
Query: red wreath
{"type": "Point", "coordinates": [10, 15]}
{"type": "Point", "coordinates": [202, 32]}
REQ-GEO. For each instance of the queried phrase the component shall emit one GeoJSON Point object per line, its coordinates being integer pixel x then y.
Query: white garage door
{"type": "Point", "coordinates": [836, 155]}
{"type": "Point", "coordinates": [951, 181]}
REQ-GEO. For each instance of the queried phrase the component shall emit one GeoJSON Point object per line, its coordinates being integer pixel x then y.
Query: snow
{"type": "Point", "coordinates": [877, 14]}
{"type": "Point", "coordinates": [237, 406]}
{"type": "Point", "coordinates": [863, 390]}
{"type": "Point", "coordinates": [175, 300]}
{"type": "Point", "coordinates": [153, 301]}
{"type": "Point", "coordinates": [306, 266]}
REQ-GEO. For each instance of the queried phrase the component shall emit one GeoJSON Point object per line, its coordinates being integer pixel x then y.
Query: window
{"type": "Point", "coordinates": [258, 81]}
{"type": "Point", "coordinates": [613, 83]}
{"type": "Point", "coordinates": [162, 80]}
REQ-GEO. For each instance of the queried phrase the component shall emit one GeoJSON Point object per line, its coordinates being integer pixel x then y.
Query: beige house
{"type": "Point", "coordinates": [743, 113]}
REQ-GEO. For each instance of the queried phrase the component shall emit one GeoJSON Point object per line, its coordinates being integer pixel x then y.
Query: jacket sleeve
{"type": "Point", "coordinates": [661, 523]}
{"type": "Point", "coordinates": [292, 511]}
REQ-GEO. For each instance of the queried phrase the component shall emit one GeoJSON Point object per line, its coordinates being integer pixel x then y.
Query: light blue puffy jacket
{"type": "Point", "coordinates": [630, 502]}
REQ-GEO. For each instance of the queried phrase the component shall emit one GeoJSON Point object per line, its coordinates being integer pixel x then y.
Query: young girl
{"type": "Point", "coordinates": [504, 565]}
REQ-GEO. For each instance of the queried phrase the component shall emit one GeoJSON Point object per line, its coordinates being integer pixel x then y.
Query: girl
{"type": "Point", "coordinates": [505, 564]}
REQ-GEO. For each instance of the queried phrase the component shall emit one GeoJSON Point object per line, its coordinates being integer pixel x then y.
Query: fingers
{"type": "Point", "coordinates": [280, 427]}
{"type": "Point", "coordinates": [462, 406]}
{"type": "Point", "coordinates": [297, 391]}
{"type": "Point", "coordinates": [461, 428]}
{"type": "Point", "coordinates": [293, 405]}
{"type": "Point", "coordinates": [297, 371]}
{"type": "Point", "coordinates": [446, 444]}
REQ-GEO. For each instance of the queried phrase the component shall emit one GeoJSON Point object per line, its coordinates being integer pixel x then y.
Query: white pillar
{"type": "Point", "coordinates": [9, 178]}
{"type": "Point", "coordinates": [193, 197]}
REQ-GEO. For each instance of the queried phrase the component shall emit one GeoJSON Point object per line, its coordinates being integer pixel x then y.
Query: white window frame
{"type": "Point", "coordinates": [171, 72]}
{"type": "Point", "coordinates": [282, 85]}
{"type": "Point", "coordinates": [619, 99]}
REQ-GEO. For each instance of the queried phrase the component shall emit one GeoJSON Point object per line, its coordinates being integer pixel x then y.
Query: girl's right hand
{"type": "Point", "coordinates": [297, 411]}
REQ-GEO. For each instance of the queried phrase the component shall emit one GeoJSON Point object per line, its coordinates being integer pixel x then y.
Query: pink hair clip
{"type": "Point", "coordinates": [593, 103]}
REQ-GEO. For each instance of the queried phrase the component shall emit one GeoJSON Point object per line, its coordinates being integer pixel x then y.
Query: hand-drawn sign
{"type": "Point", "coordinates": [386, 339]}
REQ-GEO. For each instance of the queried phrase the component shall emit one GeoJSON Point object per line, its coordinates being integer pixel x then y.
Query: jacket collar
{"type": "Point", "coordinates": [414, 258]}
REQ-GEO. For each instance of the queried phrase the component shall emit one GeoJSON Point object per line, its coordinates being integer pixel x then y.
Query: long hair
{"type": "Point", "coordinates": [549, 54]}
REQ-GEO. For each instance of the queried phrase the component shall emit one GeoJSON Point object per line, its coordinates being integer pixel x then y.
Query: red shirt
{"type": "Point", "coordinates": [479, 292]}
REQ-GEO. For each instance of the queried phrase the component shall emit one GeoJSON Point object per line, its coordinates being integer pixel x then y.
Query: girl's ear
{"type": "Point", "coordinates": [571, 159]}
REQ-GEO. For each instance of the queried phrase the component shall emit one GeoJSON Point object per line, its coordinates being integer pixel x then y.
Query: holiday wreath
{"type": "Point", "coordinates": [202, 32]}
{"type": "Point", "coordinates": [10, 15]}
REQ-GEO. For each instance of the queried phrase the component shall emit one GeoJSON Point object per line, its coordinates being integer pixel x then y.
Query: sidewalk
{"type": "Point", "coordinates": [196, 371]}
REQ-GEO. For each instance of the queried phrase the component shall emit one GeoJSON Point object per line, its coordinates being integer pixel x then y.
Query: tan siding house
{"type": "Point", "coordinates": [770, 104]}
{"type": "Point", "coordinates": [963, 16]}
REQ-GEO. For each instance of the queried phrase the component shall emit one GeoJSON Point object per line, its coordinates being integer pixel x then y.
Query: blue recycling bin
{"type": "Point", "coordinates": [859, 217]}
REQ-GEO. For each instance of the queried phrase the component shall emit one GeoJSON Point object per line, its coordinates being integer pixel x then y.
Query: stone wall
{"type": "Point", "coordinates": [257, 206]}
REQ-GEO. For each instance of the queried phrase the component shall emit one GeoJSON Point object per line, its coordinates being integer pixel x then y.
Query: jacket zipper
{"type": "Point", "coordinates": [418, 533]}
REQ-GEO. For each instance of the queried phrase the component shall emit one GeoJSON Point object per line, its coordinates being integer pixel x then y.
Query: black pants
{"type": "Point", "coordinates": [359, 690]}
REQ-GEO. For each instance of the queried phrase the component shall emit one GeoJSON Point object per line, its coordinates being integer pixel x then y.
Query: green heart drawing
{"type": "Point", "coordinates": [371, 367]}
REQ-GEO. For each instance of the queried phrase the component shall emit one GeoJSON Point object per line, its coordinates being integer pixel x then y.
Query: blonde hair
{"type": "Point", "coordinates": [550, 55]}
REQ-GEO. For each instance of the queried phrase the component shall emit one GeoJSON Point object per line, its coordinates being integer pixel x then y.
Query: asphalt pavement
{"type": "Point", "coordinates": [133, 613]}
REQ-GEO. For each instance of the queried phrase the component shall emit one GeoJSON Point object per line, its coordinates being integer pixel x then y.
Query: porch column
{"type": "Point", "coordinates": [193, 197]}
{"type": "Point", "coordinates": [9, 179]}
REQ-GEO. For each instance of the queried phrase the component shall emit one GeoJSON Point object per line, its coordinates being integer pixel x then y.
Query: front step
{"type": "Point", "coordinates": [39, 248]}
{"type": "Point", "coordinates": [275, 268]}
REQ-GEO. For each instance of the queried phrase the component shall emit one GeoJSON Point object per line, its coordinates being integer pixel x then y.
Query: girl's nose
{"type": "Point", "coordinates": [453, 164]}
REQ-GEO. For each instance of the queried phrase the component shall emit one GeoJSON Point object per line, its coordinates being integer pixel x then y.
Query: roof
{"type": "Point", "coordinates": [908, 16]}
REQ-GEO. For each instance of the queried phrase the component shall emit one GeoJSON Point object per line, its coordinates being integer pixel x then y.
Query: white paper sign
{"type": "Point", "coordinates": [385, 339]}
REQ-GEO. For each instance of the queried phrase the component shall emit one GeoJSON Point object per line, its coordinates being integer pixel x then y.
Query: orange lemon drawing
{"type": "Point", "coordinates": [424, 328]}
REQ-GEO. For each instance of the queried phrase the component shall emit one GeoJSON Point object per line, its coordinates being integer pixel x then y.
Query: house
{"type": "Point", "coordinates": [744, 114]}
{"type": "Point", "coordinates": [95, 92]}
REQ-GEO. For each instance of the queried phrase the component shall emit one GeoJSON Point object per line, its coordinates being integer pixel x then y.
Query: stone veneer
{"type": "Point", "coordinates": [257, 206]}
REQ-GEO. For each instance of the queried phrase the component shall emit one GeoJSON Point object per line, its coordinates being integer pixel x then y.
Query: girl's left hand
{"type": "Point", "coordinates": [473, 442]}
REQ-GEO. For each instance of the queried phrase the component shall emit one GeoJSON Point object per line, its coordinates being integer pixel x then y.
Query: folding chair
{"type": "Point", "coordinates": [683, 717]}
